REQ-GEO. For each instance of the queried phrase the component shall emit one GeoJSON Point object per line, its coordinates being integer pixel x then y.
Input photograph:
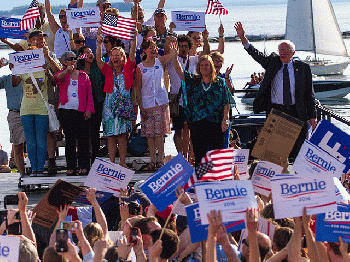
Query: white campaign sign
{"type": "Point", "coordinates": [262, 175]}
{"type": "Point", "coordinates": [29, 61]}
{"type": "Point", "coordinates": [188, 21]}
{"type": "Point", "coordinates": [106, 176]}
{"type": "Point", "coordinates": [231, 197]}
{"type": "Point", "coordinates": [314, 160]}
{"type": "Point", "coordinates": [83, 17]}
{"type": "Point", "coordinates": [291, 193]}
{"type": "Point", "coordinates": [240, 158]}
{"type": "Point", "coordinates": [9, 248]}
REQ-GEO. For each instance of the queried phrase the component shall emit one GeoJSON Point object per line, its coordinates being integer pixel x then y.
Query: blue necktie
{"type": "Point", "coordinates": [287, 97]}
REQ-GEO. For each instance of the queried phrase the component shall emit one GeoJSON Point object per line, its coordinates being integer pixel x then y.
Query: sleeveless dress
{"type": "Point", "coordinates": [112, 124]}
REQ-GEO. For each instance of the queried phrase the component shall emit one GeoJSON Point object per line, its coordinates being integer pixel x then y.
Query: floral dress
{"type": "Point", "coordinates": [112, 124]}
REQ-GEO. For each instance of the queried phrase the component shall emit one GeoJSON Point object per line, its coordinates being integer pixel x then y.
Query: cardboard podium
{"type": "Point", "coordinates": [276, 140]}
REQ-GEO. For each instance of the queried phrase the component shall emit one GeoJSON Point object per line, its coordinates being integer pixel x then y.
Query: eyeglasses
{"type": "Point", "coordinates": [62, 16]}
{"type": "Point", "coordinates": [196, 38]}
{"type": "Point", "coordinates": [284, 50]}
{"type": "Point", "coordinates": [71, 58]}
{"type": "Point", "coordinates": [79, 42]}
{"type": "Point", "coordinates": [244, 241]}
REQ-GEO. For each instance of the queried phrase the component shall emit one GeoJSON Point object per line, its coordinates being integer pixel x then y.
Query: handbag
{"type": "Point", "coordinates": [54, 124]}
{"type": "Point", "coordinates": [137, 145]}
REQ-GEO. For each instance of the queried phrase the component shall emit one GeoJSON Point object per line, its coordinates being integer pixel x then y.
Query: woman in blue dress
{"type": "Point", "coordinates": [118, 111]}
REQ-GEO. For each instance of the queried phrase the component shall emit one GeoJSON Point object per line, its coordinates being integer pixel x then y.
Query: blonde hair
{"type": "Point", "coordinates": [93, 232]}
{"type": "Point", "coordinates": [121, 50]}
{"type": "Point", "coordinates": [112, 11]}
{"type": "Point", "coordinates": [217, 54]}
{"type": "Point", "coordinates": [213, 77]}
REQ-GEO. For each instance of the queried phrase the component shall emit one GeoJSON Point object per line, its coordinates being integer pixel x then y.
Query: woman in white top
{"type": "Point", "coordinates": [153, 101]}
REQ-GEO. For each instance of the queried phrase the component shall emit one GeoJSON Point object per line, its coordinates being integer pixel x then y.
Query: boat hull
{"type": "Point", "coordinates": [328, 68]}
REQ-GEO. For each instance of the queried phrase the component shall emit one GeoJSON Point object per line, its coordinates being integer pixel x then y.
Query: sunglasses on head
{"type": "Point", "coordinates": [79, 42]}
{"type": "Point", "coordinates": [71, 58]}
{"type": "Point", "coordinates": [62, 16]}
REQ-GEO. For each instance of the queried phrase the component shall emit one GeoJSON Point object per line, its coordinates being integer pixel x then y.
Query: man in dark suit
{"type": "Point", "coordinates": [287, 85]}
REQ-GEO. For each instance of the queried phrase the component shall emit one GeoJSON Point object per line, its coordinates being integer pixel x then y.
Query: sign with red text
{"type": "Point", "coordinates": [231, 197]}
{"type": "Point", "coordinates": [29, 61]}
{"type": "Point", "coordinates": [291, 193]}
{"type": "Point", "coordinates": [262, 175]}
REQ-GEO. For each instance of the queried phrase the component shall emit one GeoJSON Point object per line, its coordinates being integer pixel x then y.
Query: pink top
{"type": "Point", "coordinates": [86, 102]}
{"type": "Point", "coordinates": [128, 72]}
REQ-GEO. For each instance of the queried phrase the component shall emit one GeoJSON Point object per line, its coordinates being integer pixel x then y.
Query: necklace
{"type": "Point", "coordinates": [206, 88]}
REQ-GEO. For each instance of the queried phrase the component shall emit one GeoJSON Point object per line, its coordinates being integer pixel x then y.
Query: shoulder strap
{"type": "Point", "coordinates": [39, 91]}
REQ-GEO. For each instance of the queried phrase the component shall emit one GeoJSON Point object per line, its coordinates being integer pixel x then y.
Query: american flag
{"type": "Point", "coordinates": [28, 21]}
{"type": "Point", "coordinates": [221, 165]}
{"type": "Point", "coordinates": [118, 26]}
{"type": "Point", "coordinates": [191, 181]}
{"type": "Point", "coordinates": [216, 8]}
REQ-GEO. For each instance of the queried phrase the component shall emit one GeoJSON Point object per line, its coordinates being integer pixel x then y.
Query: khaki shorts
{"type": "Point", "coordinates": [16, 130]}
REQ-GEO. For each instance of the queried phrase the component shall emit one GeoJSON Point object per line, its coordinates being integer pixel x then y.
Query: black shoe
{"type": "Point", "coordinates": [52, 168]}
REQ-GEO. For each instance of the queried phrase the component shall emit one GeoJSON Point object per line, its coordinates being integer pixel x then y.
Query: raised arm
{"type": "Point", "coordinates": [294, 244]}
{"type": "Point", "coordinates": [100, 217]}
{"type": "Point", "coordinates": [54, 26]}
{"type": "Point", "coordinates": [100, 62]}
{"type": "Point", "coordinates": [132, 53]}
{"type": "Point", "coordinates": [62, 213]}
{"type": "Point", "coordinates": [215, 222]}
{"type": "Point", "coordinates": [252, 226]}
{"type": "Point", "coordinates": [221, 45]}
{"type": "Point", "coordinates": [310, 239]}
{"type": "Point", "coordinates": [206, 45]}
{"type": "Point", "coordinates": [26, 226]}
{"type": "Point", "coordinates": [15, 46]}
{"type": "Point", "coordinates": [228, 80]}
{"type": "Point", "coordinates": [178, 68]}
{"type": "Point", "coordinates": [240, 32]}
{"type": "Point", "coordinates": [52, 63]}
{"type": "Point", "coordinates": [161, 4]}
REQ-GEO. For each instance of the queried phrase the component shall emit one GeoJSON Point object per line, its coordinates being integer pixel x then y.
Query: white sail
{"type": "Point", "coordinates": [311, 25]}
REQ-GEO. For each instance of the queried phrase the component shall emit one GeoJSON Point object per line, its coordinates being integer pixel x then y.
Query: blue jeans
{"type": "Point", "coordinates": [35, 129]}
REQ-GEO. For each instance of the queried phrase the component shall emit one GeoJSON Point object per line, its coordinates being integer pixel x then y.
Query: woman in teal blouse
{"type": "Point", "coordinates": [207, 101]}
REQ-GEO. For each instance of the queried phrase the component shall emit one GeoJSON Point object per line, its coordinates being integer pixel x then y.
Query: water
{"type": "Point", "coordinates": [263, 19]}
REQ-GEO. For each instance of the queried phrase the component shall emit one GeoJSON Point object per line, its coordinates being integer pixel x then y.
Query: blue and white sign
{"type": "Point", "coordinates": [334, 141]}
{"type": "Point", "coordinates": [314, 160]}
{"type": "Point", "coordinates": [108, 177]}
{"type": "Point", "coordinates": [240, 158]}
{"type": "Point", "coordinates": [9, 248]}
{"type": "Point", "coordinates": [160, 187]}
{"type": "Point", "coordinates": [342, 195]}
{"type": "Point", "coordinates": [188, 21]}
{"type": "Point", "coordinates": [9, 28]}
{"type": "Point", "coordinates": [262, 175]}
{"type": "Point", "coordinates": [198, 231]}
{"type": "Point", "coordinates": [316, 192]}
{"type": "Point", "coordinates": [231, 197]}
{"type": "Point", "coordinates": [83, 17]}
{"type": "Point", "coordinates": [332, 225]}
{"type": "Point", "coordinates": [29, 61]}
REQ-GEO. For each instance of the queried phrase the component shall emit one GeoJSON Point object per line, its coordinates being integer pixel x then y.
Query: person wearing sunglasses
{"type": "Point", "coordinates": [78, 41]}
{"type": "Point", "coordinates": [63, 42]}
{"type": "Point", "coordinates": [75, 108]}
{"type": "Point", "coordinates": [109, 43]}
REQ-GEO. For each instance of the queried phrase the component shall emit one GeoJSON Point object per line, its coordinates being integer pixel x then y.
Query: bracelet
{"type": "Point", "coordinates": [221, 36]}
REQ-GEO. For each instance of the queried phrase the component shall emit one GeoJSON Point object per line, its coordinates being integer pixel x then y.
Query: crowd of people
{"type": "Point", "coordinates": [95, 79]}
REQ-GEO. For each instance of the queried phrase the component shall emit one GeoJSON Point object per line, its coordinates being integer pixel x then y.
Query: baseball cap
{"type": "Point", "coordinates": [159, 11]}
{"type": "Point", "coordinates": [37, 33]}
{"type": "Point", "coordinates": [101, 2]}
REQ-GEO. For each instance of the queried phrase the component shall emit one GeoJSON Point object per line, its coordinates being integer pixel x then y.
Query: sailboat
{"type": "Point", "coordinates": [312, 26]}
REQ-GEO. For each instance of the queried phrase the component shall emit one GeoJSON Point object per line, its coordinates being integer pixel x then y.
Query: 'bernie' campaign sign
{"type": "Point", "coordinates": [334, 141]}
{"type": "Point", "coordinates": [160, 187]}
{"type": "Point", "coordinates": [9, 28]}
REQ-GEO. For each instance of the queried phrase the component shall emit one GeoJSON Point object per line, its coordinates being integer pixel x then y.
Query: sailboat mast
{"type": "Point", "coordinates": [313, 30]}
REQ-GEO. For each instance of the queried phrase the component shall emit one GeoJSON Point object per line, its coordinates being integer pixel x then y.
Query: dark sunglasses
{"type": "Point", "coordinates": [71, 58]}
{"type": "Point", "coordinates": [244, 241]}
{"type": "Point", "coordinates": [62, 16]}
{"type": "Point", "coordinates": [79, 42]}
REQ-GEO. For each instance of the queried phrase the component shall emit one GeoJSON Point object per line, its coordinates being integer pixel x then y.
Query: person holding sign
{"type": "Point", "coordinates": [207, 101]}
{"type": "Point", "coordinates": [118, 74]}
{"type": "Point", "coordinates": [34, 116]}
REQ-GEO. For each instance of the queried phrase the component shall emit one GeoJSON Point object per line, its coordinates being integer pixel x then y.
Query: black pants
{"type": "Point", "coordinates": [95, 126]}
{"type": "Point", "coordinates": [205, 136]}
{"type": "Point", "coordinates": [75, 127]}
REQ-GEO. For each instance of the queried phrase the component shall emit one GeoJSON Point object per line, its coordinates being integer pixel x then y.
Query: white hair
{"type": "Point", "coordinates": [290, 43]}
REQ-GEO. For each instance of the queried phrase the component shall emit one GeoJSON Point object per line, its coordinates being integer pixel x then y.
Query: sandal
{"type": "Point", "coordinates": [159, 165]}
{"type": "Point", "coordinates": [149, 167]}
